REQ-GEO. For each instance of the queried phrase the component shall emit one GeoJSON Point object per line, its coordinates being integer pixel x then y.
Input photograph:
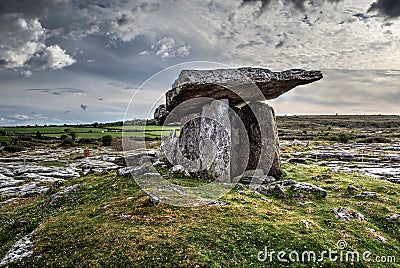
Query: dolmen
{"type": "Point", "coordinates": [226, 126]}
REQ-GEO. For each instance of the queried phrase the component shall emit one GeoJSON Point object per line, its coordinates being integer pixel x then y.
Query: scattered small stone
{"type": "Point", "coordinates": [288, 182]}
{"type": "Point", "coordinates": [157, 199]}
{"type": "Point", "coordinates": [279, 190]}
{"type": "Point", "coordinates": [158, 163]}
{"type": "Point", "coordinates": [68, 190]}
{"type": "Point", "coordinates": [306, 223]}
{"type": "Point", "coordinates": [393, 218]}
{"type": "Point", "coordinates": [177, 190]}
{"type": "Point", "coordinates": [125, 216]}
{"type": "Point", "coordinates": [133, 171]}
{"type": "Point", "coordinates": [260, 189]}
{"type": "Point", "coordinates": [394, 180]}
{"type": "Point", "coordinates": [265, 180]}
{"type": "Point", "coordinates": [304, 203]}
{"type": "Point", "coordinates": [345, 214]}
{"type": "Point", "coordinates": [351, 188]}
{"type": "Point", "coordinates": [380, 238]}
{"type": "Point", "coordinates": [180, 169]}
{"type": "Point", "coordinates": [297, 161]}
{"type": "Point", "coordinates": [129, 198]}
{"type": "Point", "coordinates": [210, 203]}
{"type": "Point", "coordinates": [239, 186]}
{"type": "Point", "coordinates": [366, 195]}
{"type": "Point", "coordinates": [310, 188]}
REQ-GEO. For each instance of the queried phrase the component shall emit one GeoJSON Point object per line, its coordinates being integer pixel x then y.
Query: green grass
{"type": "Point", "coordinates": [100, 226]}
{"type": "Point", "coordinates": [5, 139]}
{"type": "Point", "coordinates": [152, 131]}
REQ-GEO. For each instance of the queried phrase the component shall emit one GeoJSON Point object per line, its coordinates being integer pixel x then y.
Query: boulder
{"type": "Point", "coordinates": [345, 214]}
{"type": "Point", "coordinates": [309, 188]}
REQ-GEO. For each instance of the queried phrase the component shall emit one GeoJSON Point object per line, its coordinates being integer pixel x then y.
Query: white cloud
{"type": "Point", "coordinates": [26, 73]}
{"type": "Point", "coordinates": [55, 57]}
{"type": "Point", "coordinates": [167, 48]}
{"type": "Point", "coordinates": [23, 46]}
{"type": "Point", "coordinates": [21, 40]}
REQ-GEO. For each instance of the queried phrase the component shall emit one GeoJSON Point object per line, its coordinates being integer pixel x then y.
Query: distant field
{"type": "Point", "coordinates": [312, 127]}
{"type": "Point", "coordinates": [330, 127]}
{"type": "Point", "coordinates": [150, 131]}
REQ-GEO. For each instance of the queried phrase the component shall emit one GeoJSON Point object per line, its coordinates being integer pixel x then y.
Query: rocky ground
{"type": "Point", "coordinates": [27, 173]}
{"type": "Point", "coordinates": [377, 160]}
{"type": "Point", "coordinates": [33, 172]}
{"type": "Point", "coordinates": [39, 171]}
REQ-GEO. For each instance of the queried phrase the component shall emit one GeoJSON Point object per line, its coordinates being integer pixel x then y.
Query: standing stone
{"type": "Point", "coordinates": [204, 144]}
{"type": "Point", "coordinates": [260, 124]}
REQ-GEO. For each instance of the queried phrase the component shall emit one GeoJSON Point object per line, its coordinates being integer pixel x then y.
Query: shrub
{"type": "Point", "coordinates": [38, 135]}
{"type": "Point", "coordinates": [375, 140]}
{"type": "Point", "coordinates": [106, 140]}
{"type": "Point", "coordinates": [73, 134]}
{"type": "Point", "coordinates": [343, 137]}
{"type": "Point", "coordinates": [13, 148]}
{"type": "Point", "coordinates": [66, 141]}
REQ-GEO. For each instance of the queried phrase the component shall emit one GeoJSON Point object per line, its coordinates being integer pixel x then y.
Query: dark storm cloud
{"type": "Point", "coordinates": [44, 90]}
{"type": "Point", "coordinates": [31, 8]}
{"type": "Point", "coordinates": [388, 8]}
{"type": "Point", "coordinates": [298, 4]}
{"type": "Point", "coordinates": [58, 91]}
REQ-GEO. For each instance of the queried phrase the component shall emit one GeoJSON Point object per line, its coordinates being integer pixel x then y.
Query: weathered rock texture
{"type": "Point", "coordinates": [217, 84]}
{"type": "Point", "coordinates": [225, 127]}
{"type": "Point", "coordinates": [259, 121]}
{"type": "Point", "coordinates": [204, 144]}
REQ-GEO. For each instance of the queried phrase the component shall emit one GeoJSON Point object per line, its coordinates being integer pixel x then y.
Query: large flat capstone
{"type": "Point", "coordinates": [218, 84]}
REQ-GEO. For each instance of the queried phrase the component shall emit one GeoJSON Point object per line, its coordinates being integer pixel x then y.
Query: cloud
{"type": "Point", "coordinates": [59, 91]}
{"type": "Point", "coordinates": [167, 48]}
{"type": "Point", "coordinates": [21, 40]}
{"type": "Point", "coordinates": [120, 85]}
{"type": "Point", "coordinates": [83, 107]}
{"type": "Point", "coordinates": [22, 45]}
{"type": "Point", "coordinates": [26, 73]}
{"type": "Point", "coordinates": [387, 8]}
{"type": "Point", "coordinates": [296, 4]}
{"type": "Point", "coordinates": [53, 57]}
{"type": "Point", "coordinates": [32, 8]}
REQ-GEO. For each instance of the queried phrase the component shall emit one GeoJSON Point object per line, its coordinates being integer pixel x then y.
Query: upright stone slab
{"type": "Point", "coordinates": [260, 124]}
{"type": "Point", "coordinates": [204, 144]}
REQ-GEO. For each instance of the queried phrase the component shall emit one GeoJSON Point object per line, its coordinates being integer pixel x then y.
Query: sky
{"type": "Point", "coordinates": [83, 61]}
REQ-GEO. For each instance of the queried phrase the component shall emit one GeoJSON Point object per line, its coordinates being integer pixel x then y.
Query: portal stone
{"type": "Point", "coordinates": [226, 125]}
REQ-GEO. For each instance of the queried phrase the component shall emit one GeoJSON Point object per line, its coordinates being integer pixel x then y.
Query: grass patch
{"type": "Point", "coordinates": [111, 222]}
